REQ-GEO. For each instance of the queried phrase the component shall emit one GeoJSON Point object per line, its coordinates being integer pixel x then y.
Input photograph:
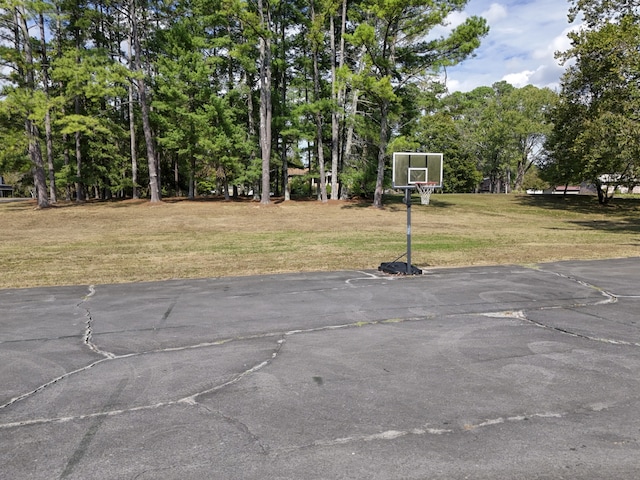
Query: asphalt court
{"type": "Point", "coordinates": [505, 372]}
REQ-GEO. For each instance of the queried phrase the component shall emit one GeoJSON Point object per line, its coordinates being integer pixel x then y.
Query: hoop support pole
{"type": "Point", "coordinates": [403, 268]}
{"type": "Point", "coordinates": [407, 197]}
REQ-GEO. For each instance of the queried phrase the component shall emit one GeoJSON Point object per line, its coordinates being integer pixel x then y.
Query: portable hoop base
{"type": "Point", "coordinates": [399, 268]}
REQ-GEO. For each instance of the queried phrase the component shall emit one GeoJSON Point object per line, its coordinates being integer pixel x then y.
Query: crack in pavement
{"type": "Point", "coordinates": [193, 399]}
{"type": "Point", "coordinates": [242, 427]}
{"type": "Point", "coordinates": [521, 315]}
{"type": "Point", "coordinates": [609, 299]}
{"type": "Point", "coordinates": [50, 382]}
{"type": "Point", "coordinates": [168, 350]}
{"type": "Point", "coordinates": [609, 341]}
{"type": "Point", "coordinates": [419, 431]}
{"type": "Point", "coordinates": [88, 335]}
{"type": "Point", "coordinates": [427, 430]}
{"type": "Point", "coordinates": [514, 418]}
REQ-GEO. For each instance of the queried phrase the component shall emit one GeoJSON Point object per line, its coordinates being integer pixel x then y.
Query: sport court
{"type": "Point", "coordinates": [506, 372]}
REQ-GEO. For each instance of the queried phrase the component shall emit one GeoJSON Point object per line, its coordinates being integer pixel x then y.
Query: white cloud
{"type": "Point", "coordinates": [520, 47]}
{"type": "Point", "coordinates": [494, 13]}
{"type": "Point", "coordinates": [454, 19]}
{"type": "Point", "coordinates": [519, 79]}
{"type": "Point", "coordinates": [560, 43]}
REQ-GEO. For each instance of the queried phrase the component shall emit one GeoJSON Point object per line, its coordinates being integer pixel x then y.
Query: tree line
{"type": "Point", "coordinates": [145, 98]}
{"type": "Point", "coordinates": [206, 93]}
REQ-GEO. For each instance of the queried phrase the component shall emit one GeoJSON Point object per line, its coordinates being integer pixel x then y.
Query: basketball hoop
{"type": "Point", "coordinates": [425, 189]}
{"type": "Point", "coordinates": [413, 170]}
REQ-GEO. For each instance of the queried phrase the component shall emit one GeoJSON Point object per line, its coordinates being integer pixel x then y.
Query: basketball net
{"type": "Point", "coordinates": [425, 189]}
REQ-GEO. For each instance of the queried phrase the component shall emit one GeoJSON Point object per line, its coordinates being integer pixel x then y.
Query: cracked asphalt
{"type": "Point", "coordinates": [504, 372]}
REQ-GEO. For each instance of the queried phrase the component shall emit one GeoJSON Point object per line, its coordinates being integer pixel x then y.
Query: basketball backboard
{"type": "Point", "coordinates": [410, 168]}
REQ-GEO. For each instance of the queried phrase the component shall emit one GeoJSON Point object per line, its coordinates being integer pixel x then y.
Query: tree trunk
{"type": "Point", "coordinates": [47, 112]}
{"type": "Point", "coordinates": [251, 126]}
{"type": "Point", "coordinates": [134, 153]}
{"type": "Point", "coordinates": [132, 123]}
{"type": "Point", "coordinates": [50, 166]}
{"type": "Point", "coordinates": [192, 179]}
{"type": "Point", "coordinates": [348, 142]}
{"type": "Point", "coordinates": [349, 117]}
{"type": "Point", "coordinates": [266, 109]}
{"type": "Point", "coordinates": [382, 154]}
{"type": "Point", "coordinates": [337, 101]}
{"type": "Point", "coordinates": [65, 137]}
{"type": "Point", "coordinates": [80, 195]}
{"type": "Point", "coordinates": [385, 106]}
{"type": "Point", "coordinates": [225, 186]}
{"type": "Point", "coordinates": [35, 154]}
{"type": "Point", "coordinates": [603, 192]}
{"type": "Point", "coordinates": [154, 186]}
{"type": "Point", "coordinates": [283, 88]}
{"type": "Point", "coordinates": [318, 116]}
{"type": "Point", "coordinates": [339, 91]}
{"type": "Point", "coordinates": [176, 177]}
{"type": "Point", "coordinates": [320, 154]}
{"type": "Point", "coordinates": [31, 130]}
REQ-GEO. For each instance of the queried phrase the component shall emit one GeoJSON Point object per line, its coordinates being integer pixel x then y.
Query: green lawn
{"type": "Point", "coordinates": [127, 241]}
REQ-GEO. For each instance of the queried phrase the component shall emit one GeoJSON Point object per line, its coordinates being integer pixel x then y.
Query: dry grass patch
{"type": "Point", "coordinates": [129, 241]}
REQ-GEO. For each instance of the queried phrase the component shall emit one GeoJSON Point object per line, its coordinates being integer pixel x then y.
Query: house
{"type": "Point", "coordinates": [620, 184]}
{"type": "Point", "coordinates": [634, 190]}
{"type": "Point", "coordinates": [566, 190]}
{"type": "Point", "coordinates": [585, 188]}
{"type": "Point", "coordinates": [314, 179]}
{"type": "Point", "coordinates": [5, 190]}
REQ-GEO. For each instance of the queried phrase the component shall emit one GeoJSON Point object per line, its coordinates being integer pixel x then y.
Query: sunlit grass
{"type": "Point", "coordinates": [114, 242]}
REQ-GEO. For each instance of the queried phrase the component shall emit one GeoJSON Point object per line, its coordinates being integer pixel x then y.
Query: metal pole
{"type": "Point", "coordinates": [407, 200]}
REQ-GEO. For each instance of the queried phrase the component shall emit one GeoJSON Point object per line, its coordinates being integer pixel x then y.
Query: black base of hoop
{"type": "Point", "coordinates": [399, 268]}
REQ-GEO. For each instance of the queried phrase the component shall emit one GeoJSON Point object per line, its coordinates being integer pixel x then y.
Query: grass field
{"type": "Point", "coordinates": [130, 241]}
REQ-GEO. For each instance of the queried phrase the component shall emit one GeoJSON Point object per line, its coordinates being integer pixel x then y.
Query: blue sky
{"type": "Point", "coordinates": [520, 46]}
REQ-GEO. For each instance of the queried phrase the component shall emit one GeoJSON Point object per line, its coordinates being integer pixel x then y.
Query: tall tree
{"type": "Point", "coordinates": [602, 90]}
{"type": "Point", "coordinates": [255, 17]}
{"type": "Point", "coordinates": [337, 87]}
{"type": "Point", "coordinates": [317, 37]}
{"type": "Point", "coordinates": [26, 95]}
{"type": "Point", "coordinates": [134, 25]}
{"type": "Point", "coordinates": [47, 114]}
{"type": "Point", "coordinates": [441, 129]}
{"type": "Point", "coordinates": [399, 51]}
{"type": "Point", "coordinates": [528, 115]}
{"type": "Point", "coordinates": [350, 65]}
{"type": "Point", "coordinates": [131, 108]}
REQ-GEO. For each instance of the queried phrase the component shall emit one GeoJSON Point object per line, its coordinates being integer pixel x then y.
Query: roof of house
{"type": "Point", "coordinates": [570, 188]}
{"type": "Point", "coordinates": [296, 172]}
